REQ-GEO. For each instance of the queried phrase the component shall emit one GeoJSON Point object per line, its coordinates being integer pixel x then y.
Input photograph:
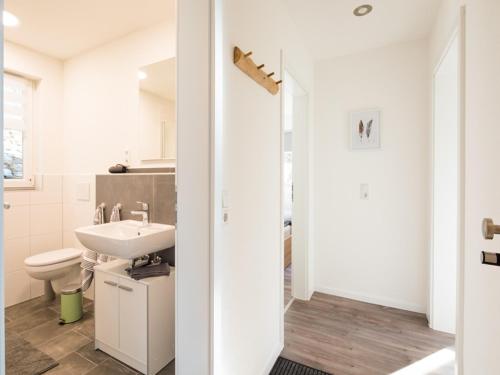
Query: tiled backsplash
{"type": "Point", "coordinates": [157, 190]}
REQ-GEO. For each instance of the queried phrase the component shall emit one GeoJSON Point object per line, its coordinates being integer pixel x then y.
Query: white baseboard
{"type": "Point", "coordinates": [272, 359]}
{"type": "Point", "coordinates": [403, 305]}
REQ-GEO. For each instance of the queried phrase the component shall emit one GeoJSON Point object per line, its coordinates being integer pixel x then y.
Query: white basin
{"type": "Point", "coordinates": [127, 239]}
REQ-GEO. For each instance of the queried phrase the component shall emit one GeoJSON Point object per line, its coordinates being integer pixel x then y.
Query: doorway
{"type": "Point", "coordinates": [295, 162]}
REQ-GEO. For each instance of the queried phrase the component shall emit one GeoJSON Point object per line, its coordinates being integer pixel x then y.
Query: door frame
{"type": "Point", "coordinates": [459, 32]}
{"type": "Point", "coordinates": [455, 37]}
{"type": "Point", "coordinates": [286, 69]}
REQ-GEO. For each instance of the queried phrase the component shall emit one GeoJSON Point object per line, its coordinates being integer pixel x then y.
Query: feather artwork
{"type": "Point", "coordinates": [361, 129]}
{"type": "Point", "coordinates": [369, 129]}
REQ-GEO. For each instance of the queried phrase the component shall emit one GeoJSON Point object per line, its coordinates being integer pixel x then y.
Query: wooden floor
{"type": "Point", "coordinates": [346, 337]}
{"type": "Point", "coordinates": [288, 285]}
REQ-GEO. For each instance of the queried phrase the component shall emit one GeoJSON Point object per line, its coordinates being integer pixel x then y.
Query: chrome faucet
{"type": "Point", "coordinates": [144, 213]}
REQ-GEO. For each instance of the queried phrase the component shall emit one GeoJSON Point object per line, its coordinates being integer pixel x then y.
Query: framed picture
{"type": "Point", "coordinates": [365, 129]}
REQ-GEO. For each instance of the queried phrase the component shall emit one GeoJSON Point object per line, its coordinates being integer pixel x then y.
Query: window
{"type": "Point", "coordinates": [18, 132]}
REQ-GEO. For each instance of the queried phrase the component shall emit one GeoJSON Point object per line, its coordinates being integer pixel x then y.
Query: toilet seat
{"type": "Point", "coordinates": [53, 257]}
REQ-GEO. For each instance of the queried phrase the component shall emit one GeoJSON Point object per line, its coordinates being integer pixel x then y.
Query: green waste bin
{"type": "Point", "coordinates": [71, 304]}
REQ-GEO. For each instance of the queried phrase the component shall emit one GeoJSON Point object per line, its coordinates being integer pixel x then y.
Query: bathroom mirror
{"type": "Point", "coordinates": [157, 120]}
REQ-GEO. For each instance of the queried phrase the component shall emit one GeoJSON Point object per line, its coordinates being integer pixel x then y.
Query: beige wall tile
{"type": "Point", "coordinates": [15, 251]}
{"type": "Point", "coordinates": [16, 222]}
{"type": "Point", "coordinates": [45, 218]}
{"type": "Point", "coordinates": [50, 190]}
{"type": "Point", "coordinates": [46, 242]}
{"type": "Point", "coordinates": [17, 287]}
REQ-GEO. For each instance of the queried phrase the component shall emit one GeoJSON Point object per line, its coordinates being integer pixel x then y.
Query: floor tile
{"type": "Point", "coordinates": [73, 364]}
{"type": "Point", "coordinates": [45, 332]}
{"type": "Point", "coordinates": [112, 367]}
{"type": "Point", "coordinates": [20, 310]}
{"type": "Point", "coordinates": [63, 345]}
{"type": "Point", "coordinates": [32, 320]}
{"type": "Point", "coordinates": [89, 352]}
{"type": "Point", "coordinates": [86, 326]}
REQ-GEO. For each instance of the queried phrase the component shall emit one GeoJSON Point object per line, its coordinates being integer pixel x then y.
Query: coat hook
{"type": "Point", "coordinates": [270, 74]}
{"type": "Point", "coordinates": [248, 54]}
{"type": "Point", "coordinates": [260, 66]}
{"type": "Point", "coordinates": [278, 82]}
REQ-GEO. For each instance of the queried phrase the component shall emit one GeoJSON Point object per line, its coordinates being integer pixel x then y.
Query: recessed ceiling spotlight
{"type": "Point", "coordinates": [9, 19]}
{"type": "Point", "coordinates": [141, 75]}
{"type": "Point", "coordinates": [362, 10]}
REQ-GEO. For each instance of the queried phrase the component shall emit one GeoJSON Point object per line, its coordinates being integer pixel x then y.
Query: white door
{"type": "Point", "coordinates": [106, 309]}
{"type": "Point", "coordinates": [482, 191]}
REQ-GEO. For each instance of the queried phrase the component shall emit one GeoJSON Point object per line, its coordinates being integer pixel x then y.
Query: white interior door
{"type": "Point", "coordinates": [481, 341]}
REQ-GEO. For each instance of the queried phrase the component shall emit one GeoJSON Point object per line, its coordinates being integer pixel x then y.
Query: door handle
{"type": "Point", "coordinates": [6, 205]}
{"type": "Point", "coordinates": [490, 229]}
{"type": "Point", "coordinates": [112, 283]}
{"type": "Point", "coordinates": [492, 259]}
{"type": "Point", "coordinates": [126, 288]}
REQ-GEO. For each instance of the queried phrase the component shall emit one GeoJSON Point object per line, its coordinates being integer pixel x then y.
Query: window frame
{"type": "Point", "coordinates": [28, 182]}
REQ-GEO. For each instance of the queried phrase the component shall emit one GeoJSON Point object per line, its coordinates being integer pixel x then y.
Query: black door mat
{"type": "Point", "coordinates": [284, 366]}
{"type": "Point", "coordinates": [25, 359]}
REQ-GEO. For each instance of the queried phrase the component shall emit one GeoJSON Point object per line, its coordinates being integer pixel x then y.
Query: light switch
{"type": "Point", "coordinates": [83, 191]}
{"type": "Point", "coordinates": [225, 199]}
{"type": "Point", "coordinates": [363, 192]}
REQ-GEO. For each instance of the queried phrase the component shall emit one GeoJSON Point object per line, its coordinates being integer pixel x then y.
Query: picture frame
{"type": "Point", "coordinates": [365, 129]}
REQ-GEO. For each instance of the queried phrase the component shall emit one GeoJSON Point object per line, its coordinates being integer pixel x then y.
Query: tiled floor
{"type": "Point", "coordinates": [72, 345]}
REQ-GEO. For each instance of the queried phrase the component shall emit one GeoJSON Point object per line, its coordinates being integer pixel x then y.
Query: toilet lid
{"type": "Point", "coordinates": [52, 257]}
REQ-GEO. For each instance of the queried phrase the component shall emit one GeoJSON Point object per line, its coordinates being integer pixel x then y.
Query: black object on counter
{"type": "Point", "coordinates": [118, 168]}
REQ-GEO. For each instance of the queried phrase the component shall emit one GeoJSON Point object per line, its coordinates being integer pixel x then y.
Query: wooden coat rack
{"type": "Point", "coordinates": [254, 71]}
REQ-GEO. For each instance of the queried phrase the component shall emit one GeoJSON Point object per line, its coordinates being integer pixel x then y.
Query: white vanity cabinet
{"type": "Point", "coordinates": [134, 320]}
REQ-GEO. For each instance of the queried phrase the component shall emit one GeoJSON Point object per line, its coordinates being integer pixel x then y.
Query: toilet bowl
{"type": "Point", "coordinates": [57, 268]}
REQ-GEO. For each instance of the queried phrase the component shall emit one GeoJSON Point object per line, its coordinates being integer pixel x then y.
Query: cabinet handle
{"type": "Point", "coordinates": [112, 283]}
{"type": "Point", "coordinates": [128, 289]}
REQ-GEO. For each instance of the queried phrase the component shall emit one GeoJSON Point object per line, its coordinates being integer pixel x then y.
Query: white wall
{"type": "Point", "coordinates": [33, 224]}
{"type": "Point", "coordinates": [247, 257]}
{"type": "Point", "coordinates": [377, 249]}
{"type": "Point", "coordinates": [101, 99]}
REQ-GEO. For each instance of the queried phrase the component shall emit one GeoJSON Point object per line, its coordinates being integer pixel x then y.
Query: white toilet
{"type": "Point", "coordinates": [57, 268]}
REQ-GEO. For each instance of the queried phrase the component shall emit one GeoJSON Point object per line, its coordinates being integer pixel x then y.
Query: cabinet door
{"type": "Point", "coordinates": [133, 319]}
{"type": "Point", "coordinates": [106, 309]}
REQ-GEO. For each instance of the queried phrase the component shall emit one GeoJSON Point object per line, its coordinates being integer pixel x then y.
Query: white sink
{"type": "Point", "coordinates": [127, 239]}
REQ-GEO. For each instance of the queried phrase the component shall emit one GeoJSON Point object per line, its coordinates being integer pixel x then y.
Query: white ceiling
{"type": "Point", "coordinates": [330, 29]}
{"type": "Point", "coordinates": [160, 79]}
{"type": "Point", "coordinates": [65, 28]}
